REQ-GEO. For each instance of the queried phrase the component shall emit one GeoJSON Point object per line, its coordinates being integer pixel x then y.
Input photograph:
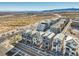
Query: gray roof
{"type": "Point", "coordinates": [60, 36]}
{"type": "Point", "coordinates": [58, 24]}
{"type": "Point", "coordinates": [73, 44]}
{"type": "Point", "coordinates": [41, 27]}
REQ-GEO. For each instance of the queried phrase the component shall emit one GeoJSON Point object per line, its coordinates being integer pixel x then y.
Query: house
{"type": "Point", "coordinates": [37, 37]}
{"type": "Point", "coordinates": [47, 40]}
{"type": "Point", "coordinates": [57, 44]}
{"type": "Point", "coordinates": [27, 37]}
{"type": "Point", "coordinates": [71, 46]}
{"type": "Point", "coordinates": [58, 26]}
{"type": "Point", "coordinates": [42, 26]}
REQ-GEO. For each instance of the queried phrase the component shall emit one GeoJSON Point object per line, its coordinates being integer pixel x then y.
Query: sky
{"type": "Point", "coordinates": [36, 6]}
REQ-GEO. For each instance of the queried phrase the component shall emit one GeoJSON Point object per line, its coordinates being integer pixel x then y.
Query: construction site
{"type": "Point", "coordinates": [53, 35]}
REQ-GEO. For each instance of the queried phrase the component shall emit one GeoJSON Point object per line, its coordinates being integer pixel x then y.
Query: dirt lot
{"type": "Point", "coordinates": [69, 14]}
{"type": "Point", "coordinates": [12, 21]}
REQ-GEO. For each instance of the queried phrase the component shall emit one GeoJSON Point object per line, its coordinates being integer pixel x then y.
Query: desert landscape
{"type": "Point", "coordinates": [9, 22]}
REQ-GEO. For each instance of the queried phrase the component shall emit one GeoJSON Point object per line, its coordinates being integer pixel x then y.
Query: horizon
{"type": "Point", "coordinates": [36, 6]}
{"type": "Point", "coordinates": [37, 10]}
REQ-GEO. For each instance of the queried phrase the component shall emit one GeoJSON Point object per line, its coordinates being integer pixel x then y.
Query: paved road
{"type": "Point", "coordinates": [59, 16]}
{"type": "Point", "coordinates": [31, 51]}
{"type": "Point", "coordinates": [21, 53]}
{"type": "Point", "coordinates": [67, 26]}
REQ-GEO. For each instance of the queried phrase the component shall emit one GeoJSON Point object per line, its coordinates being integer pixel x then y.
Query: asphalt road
{"type": "Point", "coordinates": [31, 51]}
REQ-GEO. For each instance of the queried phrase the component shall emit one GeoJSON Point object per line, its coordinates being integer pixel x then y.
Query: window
{"type": "Point", "coordinates": [44, 37]}
{"type": "Point", "coordinates": [36, 38]}
{"type": "Point", "coordinates": [28, 42]}
{"type": "Point", "coordinates": [73, 53]}
{"type": "Point", "coordinates": [46, 47]}
{"type": "Point", "coordinates": [54, 44]}
{"type": "Point", "coordinates": [46, 43]}
{"type": "Point", "coordinates": [67, 44]}
{"type": "Point", "coordinates": [73, 49]}
{"type": "Point", "coordinates": [54, 50]}
{"type": "Point", "coordinates": [67, 49]}
{"type": "Point", "coordinates": [66, 54]}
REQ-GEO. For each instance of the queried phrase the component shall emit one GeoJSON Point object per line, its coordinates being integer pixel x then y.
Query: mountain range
{"type": "Point", "coordinates": [63, 10]}
{"type": "Point", "coordinates": [32, 12]}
